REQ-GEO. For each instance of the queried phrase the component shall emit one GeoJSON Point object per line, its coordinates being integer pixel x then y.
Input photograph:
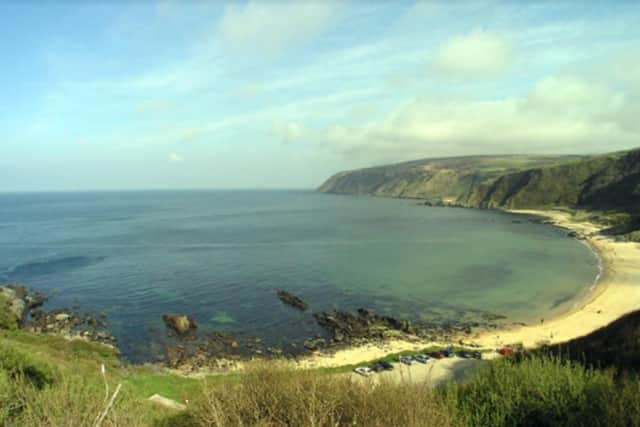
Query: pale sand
{"type": "Point", "coordinates": [616, 293]}
{"type": "Point", "coordinates": [433, 373]}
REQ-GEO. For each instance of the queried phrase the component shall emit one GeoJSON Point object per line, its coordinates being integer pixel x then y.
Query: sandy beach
{"type": "Point", "coordinates": [616, 293]}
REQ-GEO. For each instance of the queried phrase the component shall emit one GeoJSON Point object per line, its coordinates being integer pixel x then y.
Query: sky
{"type": "Point", "coordinates": [268, 94]}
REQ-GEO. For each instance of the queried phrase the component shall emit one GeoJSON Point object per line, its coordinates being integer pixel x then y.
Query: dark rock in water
{"type": "Point", "coordinates": [180, 323]}
{"type": "Point", "coordinates": [69, 323]}
{"type": "Point", "coordinates": [576, 235]}
{"type": "Point", "coordinates": [292, 300]}
{"type": "Point", "coordinates": [314, 344]}
{"type": "Point", "coordinates": [364, 324]}
{"type": "Point", "coordinates": [492, 317]}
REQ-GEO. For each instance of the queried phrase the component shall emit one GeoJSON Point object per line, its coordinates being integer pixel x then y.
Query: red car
{"type": "Point", "coordinates": [505, 351]}
{"type": "Point", "coordinates": [437, 355]}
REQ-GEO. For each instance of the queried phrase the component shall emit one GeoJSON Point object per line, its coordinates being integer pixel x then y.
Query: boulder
{"type": "Point", "coordinates": [180, 323]}
{"type": "Point", "coordinates": [292, 300]}
{"type": "Point", "coordinates": [166, 402]}
{"type": "Point", "coordinates": [62, 317]}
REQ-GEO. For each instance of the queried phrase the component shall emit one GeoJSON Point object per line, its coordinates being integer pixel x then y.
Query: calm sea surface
{"type": "Point", "coordinates": [220, 256]}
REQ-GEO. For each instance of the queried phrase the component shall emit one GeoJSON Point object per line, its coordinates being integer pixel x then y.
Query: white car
{"type": "Point", "coordinates": [422, 358]}
{"type": "Point", "coordinates": [363, 370]}
{"type": "Point", "coordinates": [407, 360]}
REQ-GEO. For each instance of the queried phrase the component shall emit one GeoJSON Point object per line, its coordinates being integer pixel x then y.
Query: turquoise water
{"type": "Point", "coordinates": [221, 255]}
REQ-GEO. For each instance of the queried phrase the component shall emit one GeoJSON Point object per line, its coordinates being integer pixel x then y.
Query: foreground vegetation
{"type": "Point", "coordinates": [49, 381]}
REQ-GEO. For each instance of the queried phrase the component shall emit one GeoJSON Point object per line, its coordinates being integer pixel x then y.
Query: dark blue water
{"type": "Point", "coordinates": [220, 256]}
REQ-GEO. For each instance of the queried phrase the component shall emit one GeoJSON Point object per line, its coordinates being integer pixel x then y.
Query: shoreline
{"type": "Point", "coordinates": [614, 292]}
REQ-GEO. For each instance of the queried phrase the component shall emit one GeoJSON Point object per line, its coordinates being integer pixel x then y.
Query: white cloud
{"type": "Point", "coordinates": [476, 55]}
{"type": "Point", "coordinates": [271, 26]}
{"type": "Point", "coordinates": [561, 114]}
{"type": "Point", "coordinates": [289, 132]}
{"type": "Point", "coordinates": [174, 157]}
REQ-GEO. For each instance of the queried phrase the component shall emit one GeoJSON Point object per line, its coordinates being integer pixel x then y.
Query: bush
{"type": "Point", "coordinates": [77, 401]}
{"type": "Point", "coordinates": [274, 396]}
{"type": "Point", "coordinates": [7, 319]}
{"type": "Point", "coordinates": [9, 404]}
{"type": "Point", "coordinates": [20, 366]}
{"type": "Point", "coordinates": [545, 391]}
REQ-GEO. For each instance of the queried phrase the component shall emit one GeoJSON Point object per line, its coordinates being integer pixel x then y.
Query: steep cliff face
{"type": "Point", "coordinates": [609, 182]}
{"type": "Point", "coordinates": [451, 179]}
{"type": "Point", "coordinates": [605, 182]}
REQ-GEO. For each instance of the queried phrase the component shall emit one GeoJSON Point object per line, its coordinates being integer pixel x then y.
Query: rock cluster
{"type": "Point", "coordinates": [363, 324]}
{"type": "Point", "coordinates": [21, 300]}
{"type": "Point", "coordinates": [181, 324]}
{"type": "Point", "coordinates": [292, 300]}
{"type": "Point", "coordinates": [26, 306]}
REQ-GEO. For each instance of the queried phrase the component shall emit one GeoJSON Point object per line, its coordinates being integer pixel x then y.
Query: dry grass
{"type": "Point", "coordinates": [274, 396]}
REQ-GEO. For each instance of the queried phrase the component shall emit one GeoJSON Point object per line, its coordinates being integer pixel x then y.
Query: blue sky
{"type": "Point", "coordinates": [194, 94]}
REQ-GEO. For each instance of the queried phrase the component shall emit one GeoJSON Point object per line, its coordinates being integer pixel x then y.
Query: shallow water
{"type": "Point", "coordinates": [221, 255]}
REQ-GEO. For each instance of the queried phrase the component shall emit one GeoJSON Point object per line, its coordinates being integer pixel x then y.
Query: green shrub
{"type": "Point", "coordinates": [544, 391]}
{"type": "Point", "coordinates": [275, 396]}
{"type": "Point", "coordinates": [9, 404]}
{"type": "Point", "coordinates": [77, 401]}
{"type": "Point", "coordinates": [8, 320]}
{"type": "Point", "coordinates": [20, 366]}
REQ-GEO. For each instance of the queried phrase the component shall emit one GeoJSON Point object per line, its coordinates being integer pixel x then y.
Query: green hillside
{"type": "Point", "coordinates": [452, 178]}
{"type": "Point", "coordinates": [604, 183]}
{"type": "Point", "coordinates": [607, 182]}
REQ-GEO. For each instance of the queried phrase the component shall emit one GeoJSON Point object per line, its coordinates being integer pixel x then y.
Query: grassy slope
{"type": "Point", "coordinates": [605, 182]}
{"type": "Point", "coordinates": [78, 384]}
{"type": "Point", "coordinates": [534, 390]}
{"type": "Point", "coordinates": [608, 182]}
{"type": "Point", "coordinates": [615, 345]}
{"type": "Point", "coordinates": [443, 178]}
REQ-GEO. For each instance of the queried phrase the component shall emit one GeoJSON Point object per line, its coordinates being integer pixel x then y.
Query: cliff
{"type": "Point", "coordinates": [609, 182]}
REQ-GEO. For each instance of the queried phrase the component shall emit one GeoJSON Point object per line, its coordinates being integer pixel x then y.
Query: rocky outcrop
{"type": "Point", "coordinates": [21, 300]}
{"type": "Point", "coordinates": [181, 324]}
{"type": "Point", "coordinates": [292, 300]}
{"type": "Point", "coordinates": [363, 324]}
{"type": "Point", "coordinates": [25, 304]}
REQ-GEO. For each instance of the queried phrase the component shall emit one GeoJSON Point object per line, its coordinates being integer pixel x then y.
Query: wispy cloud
{"type": "Point", "coordinates": [268, 27]}
{"type": "Point", "coordinates": [476, 55]}
{"type": "Point", "coordinates": [561, 114]}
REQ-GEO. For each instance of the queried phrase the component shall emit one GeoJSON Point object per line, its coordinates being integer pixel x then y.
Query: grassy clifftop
{"type": "Point", "coordinates": [454, 178]}
{"type": "Point", "coordinates": [605, 183]}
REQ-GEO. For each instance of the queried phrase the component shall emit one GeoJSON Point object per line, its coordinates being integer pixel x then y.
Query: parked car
{"type": "Point", "coordinates": [365, 371]}
{"type": "Point", "coordinates": [449, 352]}
{"type": "Point", "coordinates": [437, 355]}
{"type": "Point", "coordinates": [422, 358]}
{"type": "Point", "coordinates": [465, 354]}
{"type": "Point", "coordinates": [505, 351]}
{"type": "Point", "coordinates": [385, 365]}
{"type": "Point", "coordinates": [377, 367]}
{"type": "Point", "coordinates": [407, 360]}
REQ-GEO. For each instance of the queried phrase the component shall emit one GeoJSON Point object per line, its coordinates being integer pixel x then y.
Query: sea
{"type": "Point", "coordinates": [220, 257]}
